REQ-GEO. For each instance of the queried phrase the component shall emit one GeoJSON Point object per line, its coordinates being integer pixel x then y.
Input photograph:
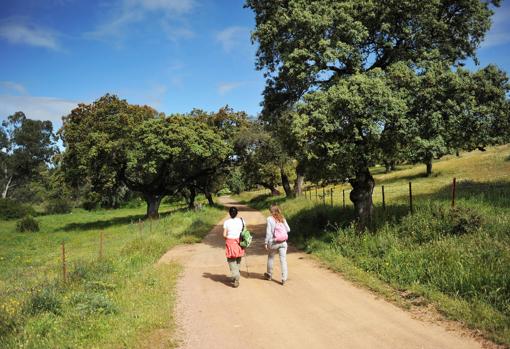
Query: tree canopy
{"type": "Point", "coordinates": [339, 63]}
{"type": "Point", "coordinates": [115, 143]}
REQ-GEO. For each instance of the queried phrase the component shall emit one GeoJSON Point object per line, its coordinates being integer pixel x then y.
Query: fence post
{"type": "Point", "coordinates": [383, 198]}
{"type": "Point", "coordinates": [324, 196]}
{"type": "Point", "coordinates": [331, 196]}
{"type": "Point", "coordinates": [101, 237]}
{"type": "Point", "coordinates": [64, 269]}
{"type": "Point", "coordinates": [410, 197]}
{"type": "Point", "coordinates": [316, 194]}
{"type": "Point", "coordinates": [454, 188]}
{"type": "Point", "coordinates": [343, 198]}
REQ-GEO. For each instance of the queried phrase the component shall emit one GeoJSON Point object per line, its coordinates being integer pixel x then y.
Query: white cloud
{"type": "Point", "coordinates": [38, 108]}
{"type": "Point", "coordinates": [18, 30]}
{"type": "Point", "coordinates": [231, 37]}
{"type": "Point", "coordinates": [226, 87]}
{"type": "Point", "coordinates": [169, 6]}
{"type": "Point", "coordinates": [13, 86]}
{"type": "Point", "coordinates": [500, 31]}
{"type": "Point", "coordinates": [130, 12]}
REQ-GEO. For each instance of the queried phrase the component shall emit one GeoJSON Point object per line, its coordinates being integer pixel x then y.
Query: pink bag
{"type": "Point", "coordinates": [280, 232]}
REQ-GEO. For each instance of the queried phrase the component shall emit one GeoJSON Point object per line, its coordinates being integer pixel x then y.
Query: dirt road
{"type": "Point", "coordinates": [315, 309]}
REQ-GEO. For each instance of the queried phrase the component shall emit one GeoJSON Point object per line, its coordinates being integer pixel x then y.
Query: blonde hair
{"type": "Point", "coordinates": [276, 213]}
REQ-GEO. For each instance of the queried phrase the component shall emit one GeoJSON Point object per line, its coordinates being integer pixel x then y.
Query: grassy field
{"type": "Point", "coordinates": [457, 260]}
{"type": "Point", "coordinates": [110, 302]}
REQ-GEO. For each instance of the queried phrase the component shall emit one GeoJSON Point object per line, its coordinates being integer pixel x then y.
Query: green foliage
{"type": "Point", "coordinates": [235, 181]}
{"type": "Point", "coordinates": [44, 299]}
{"type": "Point", "coordinates": [26, 145]}
{"type": "Point", "coordinates": [356, 85]}
{"type": "Point", "coordinates": [27, 224]}
{"type": "Point", "coordinates": [10, 209]}
{"type": "Point", "coordinates": [90, 303]}
{"type": "Point", "coordinates": [115, 145]}
{"type": "Point", "coordinates": [58, 206]}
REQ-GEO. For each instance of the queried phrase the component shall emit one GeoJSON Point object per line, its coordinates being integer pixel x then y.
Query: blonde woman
{"type": "Point", "coordinates": [277, 231]}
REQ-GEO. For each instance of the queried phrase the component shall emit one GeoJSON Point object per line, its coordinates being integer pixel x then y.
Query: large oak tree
{"type": "Point", "coordinates": [327, 49]}
{"type": "Point", "coordinates": [113, 143]}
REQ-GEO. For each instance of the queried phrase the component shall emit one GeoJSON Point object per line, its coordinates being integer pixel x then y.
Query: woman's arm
{"type": "Point", "coordinates": [225, 231]}
{"type": "Point", "coordinates": [286, 226]}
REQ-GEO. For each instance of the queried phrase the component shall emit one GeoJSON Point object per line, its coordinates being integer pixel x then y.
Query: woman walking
{"type": "Point", "coordinates": [277, 231]}
{"type": "Point", "coordinates": [231, 232]}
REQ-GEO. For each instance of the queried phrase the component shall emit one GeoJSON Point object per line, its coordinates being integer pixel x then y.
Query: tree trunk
{"type": "Point", "coordinates": [6, 189]}
{"type": "Point", "coordinates": [298, 184]}
{"type": "Point", "coordinates": [393, 165]}
{"type": "Point", "coordinates": [274, 191]}
{"type": "Point", "coordinates": [361, 196]}
{"type": "Point", "coordinates": [153, 202]}
{"type": "Point", "coordinates": [387, 166]}
{"type": "Point", "coordinates": [286, 184]}
{"type": "Point", "coordinates": [209, 197]}
{"type": "Point", "coordinates": [428, 163]}
{"type": "Point", "coordinates": [191, 199]}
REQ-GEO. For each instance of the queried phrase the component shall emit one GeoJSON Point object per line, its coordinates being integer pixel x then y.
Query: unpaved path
{"type": "Point", "coordinates": [315, 309]}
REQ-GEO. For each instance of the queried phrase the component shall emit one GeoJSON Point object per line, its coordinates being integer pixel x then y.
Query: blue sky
{"type": "Point", "coordinates": [174, 55]}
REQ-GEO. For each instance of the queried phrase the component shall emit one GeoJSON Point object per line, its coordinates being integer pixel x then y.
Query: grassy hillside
{"type": "Point", "coordinates": [108, 302]}
{"type": "Point", "coordinates": [457, 259]}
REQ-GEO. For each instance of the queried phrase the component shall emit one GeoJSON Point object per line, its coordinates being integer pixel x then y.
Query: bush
{"type": "Point", "coordinates": [91, 205]}
{"type": "Point", "coordinates": [58, 206]}
{"type": "Point", "coordinates": [93, 303]}
{"type": "Point", "coordinates": [9, 321]}
{"type": "Point", "coordinates": [27, 224]}
{"type": "Point", "coordinates": [10, 209]}
{"type": "Point", "coordinates": [459, 220]}
{"type": "Point", "coordinates": [45, 299]}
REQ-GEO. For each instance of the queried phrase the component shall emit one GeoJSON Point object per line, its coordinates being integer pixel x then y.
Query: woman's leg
{"type": "Point", "coordinates": [270, 261]}
{"type": "Point", "coordinates": [282, 251]}
{"type": "Point", "coordinates": [234, 268]}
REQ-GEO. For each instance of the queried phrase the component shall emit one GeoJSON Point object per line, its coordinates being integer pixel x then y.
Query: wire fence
{"type": "Point", "coordinates": [497, 189]}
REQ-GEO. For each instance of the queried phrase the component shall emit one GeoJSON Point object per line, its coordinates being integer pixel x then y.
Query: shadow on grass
{"type": "Point", "coordinates": [115, 221]}
{"type": "Point", "coordinates": [494, 194]}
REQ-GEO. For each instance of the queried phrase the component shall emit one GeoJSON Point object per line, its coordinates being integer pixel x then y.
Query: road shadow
{"type": "Point", "coordinates": [221, 278]}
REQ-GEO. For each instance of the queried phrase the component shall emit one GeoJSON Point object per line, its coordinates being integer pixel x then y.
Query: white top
{"type": "Point", "coordinates": [234, 227]}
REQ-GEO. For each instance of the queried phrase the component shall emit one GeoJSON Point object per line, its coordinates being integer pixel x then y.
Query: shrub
{"type": "Point", "coordinates": [27, 224]}
{"type": "Point", "coordinates": [459, 220]}
{"type": "Point", "coordinates": [91, 205]}
{"type": "Point", "coordinates": [93, 303]}
{"type": "Point", "coordinates": [45, 299]}
{"type": "Point", "coordinates": [8, 320]}
{"type": "Point", "coordinates": [58, 206]}
{"type": "Point", "coordinates": [10, 209]}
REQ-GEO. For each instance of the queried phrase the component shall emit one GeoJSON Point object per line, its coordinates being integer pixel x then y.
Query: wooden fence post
{"type": "Point", "coordinates": [324, 196]}
{"type": "Point", "coordinates": [410, 198]}
{"type": "Point", "coordinates": [331, 196]}
{"type": "Point", "coordinates": [64, 269]}
{"type": "Point", "coordinates": [454, 187]}
{"type": "Point", "coordinates": [343, 198]}
{"type": "Point", "coordinates": [316, 194]}
{"type": "Point", "coordinates": [101, 238]}
{"type": "Point", "coordinates": [383, 198]}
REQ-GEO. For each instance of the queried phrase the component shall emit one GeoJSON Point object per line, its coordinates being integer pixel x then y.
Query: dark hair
{"type": "Point", "coordinates": [233, 212]}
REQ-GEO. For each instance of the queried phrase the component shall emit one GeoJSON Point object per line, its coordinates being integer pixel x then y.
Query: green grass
{"type": "Point", "coordinates": [455, 259]}
{"type": "Point", "coordinates": [109, 302]}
